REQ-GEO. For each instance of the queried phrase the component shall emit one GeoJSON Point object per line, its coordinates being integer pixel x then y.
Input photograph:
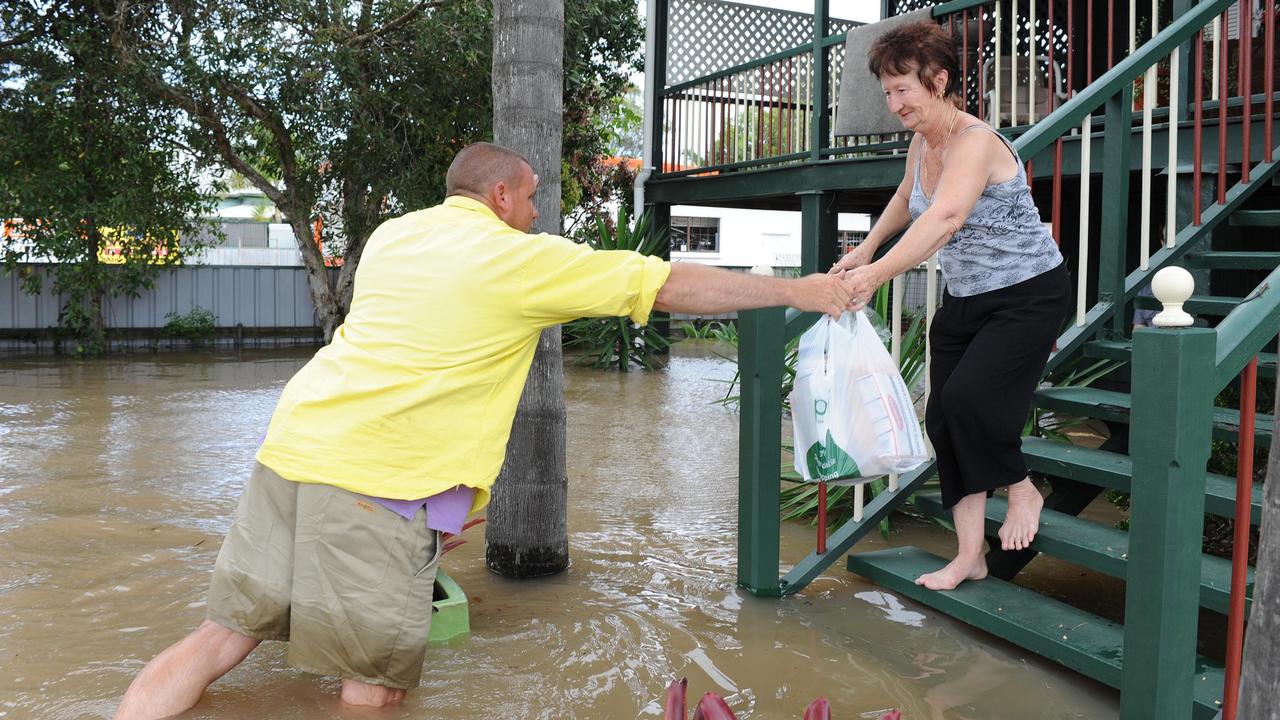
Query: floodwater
{"type": "Point", "coordinates": [119, 477]}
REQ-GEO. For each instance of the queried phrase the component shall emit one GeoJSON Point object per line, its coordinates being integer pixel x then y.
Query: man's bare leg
{"type": "Point", "coordinates": [969, 563]}
{"type": "Point", "coordinates": [355, 692]}
{"type": "Point", "coordinates": [1022, 519]}
{"type": "Point", "coordinates": [176, 678]}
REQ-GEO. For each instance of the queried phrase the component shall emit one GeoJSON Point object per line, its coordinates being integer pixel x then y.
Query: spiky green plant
{"type": "Point", "coordinates": [618, 342]}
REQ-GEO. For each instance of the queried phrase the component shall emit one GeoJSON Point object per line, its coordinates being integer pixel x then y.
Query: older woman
{"type": "Point", "coordinates": [965, 196]}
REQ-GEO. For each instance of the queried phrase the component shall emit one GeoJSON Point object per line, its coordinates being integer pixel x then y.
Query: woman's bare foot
{"type": "Point", "coordinates": [956, 572]}
{"type": "Point", "coordinates": [1022, 519]}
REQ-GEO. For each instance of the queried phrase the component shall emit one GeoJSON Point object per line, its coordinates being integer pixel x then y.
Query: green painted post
{"type": "Point", "coordinates": [818, 228]}
{"type": "Point", "coordinates": [761, 340]}
{"type": "Point", "coordinates": [820, 97]}
{"type": "Point", "coordinates": [661, 225]}
{"type": "Point", "coordinates": [1114, 228]}
{"type": "Point", "coordinates": [659, 70]}
{"type": "Point", "coordinates": [1169, 443]}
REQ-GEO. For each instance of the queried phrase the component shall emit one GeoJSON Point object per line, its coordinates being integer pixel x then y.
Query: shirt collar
{"type": "Point", "coordinates": [462, 202]}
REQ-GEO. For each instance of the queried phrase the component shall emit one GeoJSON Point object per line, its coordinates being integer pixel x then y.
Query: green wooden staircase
{"type": "Point", "coordinates": [1089, 644]}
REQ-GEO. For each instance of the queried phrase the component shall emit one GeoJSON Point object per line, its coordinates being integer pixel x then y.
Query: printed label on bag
{"type": "Point", "coordinates": [826, 461]}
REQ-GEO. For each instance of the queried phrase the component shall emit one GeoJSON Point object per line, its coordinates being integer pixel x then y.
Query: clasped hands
{"type": "Point", "coordinates": [838, 290]}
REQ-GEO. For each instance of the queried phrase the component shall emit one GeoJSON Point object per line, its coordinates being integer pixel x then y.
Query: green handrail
{"type": "Point", "coordinates": [796, 51]}
{"type": "Point", "coordinates": [956, 6]}
{"type": "Point", "coordinates": [1247, 330]}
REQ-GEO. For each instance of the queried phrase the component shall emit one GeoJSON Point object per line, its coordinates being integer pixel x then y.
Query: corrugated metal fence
{"type": "Point", "coordinates": [254, 297]}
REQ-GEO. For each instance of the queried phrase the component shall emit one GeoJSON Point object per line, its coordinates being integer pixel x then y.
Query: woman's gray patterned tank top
{"type": "Point", "coordinates": [1002, 242]}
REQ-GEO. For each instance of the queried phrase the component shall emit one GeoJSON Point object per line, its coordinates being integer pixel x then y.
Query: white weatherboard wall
{"type": "Point", "coordinates": [756, 237]}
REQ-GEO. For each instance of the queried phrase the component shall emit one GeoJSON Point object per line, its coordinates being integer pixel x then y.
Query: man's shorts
{"type": "Point", "coordinates": [345, 580]}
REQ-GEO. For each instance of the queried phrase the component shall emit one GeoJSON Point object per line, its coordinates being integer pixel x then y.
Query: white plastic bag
{"type": "Point", "coordinates": [852, 414]}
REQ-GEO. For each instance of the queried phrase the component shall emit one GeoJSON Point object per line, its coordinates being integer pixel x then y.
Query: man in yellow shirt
{"type": "Point", "coordinates": [398, 428]}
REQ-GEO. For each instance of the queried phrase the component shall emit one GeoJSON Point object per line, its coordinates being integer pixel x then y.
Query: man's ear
{"type": "Point", "coordinates": [500, 195]}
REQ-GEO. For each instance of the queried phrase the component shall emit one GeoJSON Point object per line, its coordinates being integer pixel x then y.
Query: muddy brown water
{"type": "Point", "coordinates": [119, 477]}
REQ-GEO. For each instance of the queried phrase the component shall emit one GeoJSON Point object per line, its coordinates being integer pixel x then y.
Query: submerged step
{"type": "Point", "coordinates": [1082, 641]}
{"type": "Point", "coordinates": [1115, 406]}
{"type": "Point", "coordinates": [1115, 471]}
{"type": "Point", "coordinates": [1097, 547]}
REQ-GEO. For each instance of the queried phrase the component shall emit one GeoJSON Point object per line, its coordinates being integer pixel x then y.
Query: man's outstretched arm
{"type": "Point", "coordinates": [693, 288]}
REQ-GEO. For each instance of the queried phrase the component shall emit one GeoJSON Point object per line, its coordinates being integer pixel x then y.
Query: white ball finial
{"type": "Point", "coordinates": [1172, 286]}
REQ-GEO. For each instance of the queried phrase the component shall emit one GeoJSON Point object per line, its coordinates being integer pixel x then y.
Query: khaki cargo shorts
{"type": "Point", "coordinates": [345, 580]}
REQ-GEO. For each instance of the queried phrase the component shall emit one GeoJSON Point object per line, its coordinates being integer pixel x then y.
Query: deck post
{"type": "Point", "coordinates": [1169, 442]}
{"type": "Point", "coordinates": [659, 70]}
{"type": "Point", "coordinates": [1114, 226]}
{"type": "Point", "coordinates": [820, 98]}
{"type": "Point", "coordinates": [762, 337]}
{"type": "Point", "coordinates": [818, 228]}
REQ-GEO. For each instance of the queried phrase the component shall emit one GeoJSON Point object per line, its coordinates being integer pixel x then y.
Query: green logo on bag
{"type": "Point", "coordinates": [819, 407]}
{"type": "Point", "coordinates": [828, 461]}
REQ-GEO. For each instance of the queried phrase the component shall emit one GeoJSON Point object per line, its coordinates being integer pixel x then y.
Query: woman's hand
{"type": "Point", "coordinates": [855, 258]}
{"type": "Point", "coordinates": [862, 283]}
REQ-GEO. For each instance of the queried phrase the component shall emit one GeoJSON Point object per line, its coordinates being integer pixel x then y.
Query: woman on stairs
{"type": "Point", "coordinates": [964, 195]}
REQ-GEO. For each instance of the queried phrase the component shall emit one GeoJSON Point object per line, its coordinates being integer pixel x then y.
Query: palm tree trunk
{"type": "Point", "coordinates": [1260, 681]}
{"type": "Point", "coordinates": [526, 534]}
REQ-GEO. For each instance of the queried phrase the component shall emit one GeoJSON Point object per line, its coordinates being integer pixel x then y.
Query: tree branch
{"type": "Point", "coordinates": [204, 112]}
{"type": "Point", "coordinates": [393, 25]}
{"type": "Point", "coordinates": [272, 121]}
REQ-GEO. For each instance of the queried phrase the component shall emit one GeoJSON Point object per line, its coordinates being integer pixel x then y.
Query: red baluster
{"type": "Point", "coordinates": [1268, 77]}
{"type": "Point", "coordinates": [1240, 542]}
{"type": "Point", "coordinates": [822, 518]}
{"type": "Point", "coordinates": [1246, 83]}
{"type": "Point", "coordinates": [1222, 109]}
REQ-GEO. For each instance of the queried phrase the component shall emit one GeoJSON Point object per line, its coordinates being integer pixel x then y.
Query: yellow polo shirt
{"type": "Point", "coordinates": [417, 391]}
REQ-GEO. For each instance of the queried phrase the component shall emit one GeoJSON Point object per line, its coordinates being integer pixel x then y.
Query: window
{"type": "Point", "coordinates": [695, 234]}
{"type": "Point", "coordinates": [847, 240]}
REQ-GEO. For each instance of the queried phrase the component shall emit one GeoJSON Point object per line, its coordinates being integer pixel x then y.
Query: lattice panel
{"type": "Point", "coordinates": [706, 36]}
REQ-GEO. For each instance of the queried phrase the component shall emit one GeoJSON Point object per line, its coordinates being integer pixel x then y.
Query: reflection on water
{"type": "Point", "coordinates": [118, 479]}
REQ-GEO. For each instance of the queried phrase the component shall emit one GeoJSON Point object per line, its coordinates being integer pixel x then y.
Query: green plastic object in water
{"type": "Point", "coordinates": [449, 614]}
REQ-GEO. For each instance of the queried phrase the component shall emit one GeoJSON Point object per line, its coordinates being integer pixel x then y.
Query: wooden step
{"type": "Point", "coordinates": [1231, 260]}
{"type": "Point", "coordinates": [1097, 547]}
{"type": "Point", "coordinates": [1122, 350]}
{"type": "Point", "coordinates": [1110, 470]}
{"type": "Point", "coordinates": [1256, 218]}
{"type": "Point", "coordinates": [1082, 641]}
{"type": "Point", "coordinates": [1114, 406]}
{"type": "Point", "coordinates": [1214, 305]}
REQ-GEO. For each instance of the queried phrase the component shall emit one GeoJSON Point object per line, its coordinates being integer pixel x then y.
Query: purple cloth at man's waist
{"type": "Point", "coordinates": [446, 511]}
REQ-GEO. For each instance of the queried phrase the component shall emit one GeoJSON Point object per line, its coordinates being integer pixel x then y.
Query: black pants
{"type": "Point", "coordinates": [988, 352]}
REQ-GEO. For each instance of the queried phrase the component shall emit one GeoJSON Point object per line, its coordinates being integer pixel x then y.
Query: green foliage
{"type": "Point", "coordinates": [352, 113]}
{"type": "Point", "coordinates": [618, 342]}
{"type": "Point", "coordinates": [197, 326]}
{"type": "Point", "coordinates": [93, 178]}
{"type": "Point", "coordinates": [702, 331]}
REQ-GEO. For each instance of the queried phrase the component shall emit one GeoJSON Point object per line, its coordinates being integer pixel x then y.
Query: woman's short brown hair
{"type": "Point", "coordinates": [923, 47]}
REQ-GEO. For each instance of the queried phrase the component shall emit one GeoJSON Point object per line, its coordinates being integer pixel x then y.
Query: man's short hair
{"type": "Point", "coordinates": [478, 166]}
